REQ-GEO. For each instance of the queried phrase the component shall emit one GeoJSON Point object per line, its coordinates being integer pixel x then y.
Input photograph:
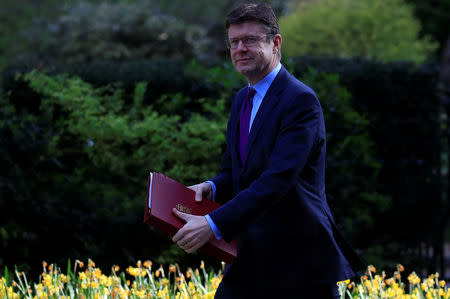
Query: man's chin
{"type": "Point", "coordinates": [246, 71]}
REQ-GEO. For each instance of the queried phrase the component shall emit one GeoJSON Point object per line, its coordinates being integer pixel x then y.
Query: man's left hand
{"type": "Point", "coordinates": [194, 234]}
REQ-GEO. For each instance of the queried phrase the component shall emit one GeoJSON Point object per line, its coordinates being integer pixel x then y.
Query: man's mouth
{"type": "Point", "coordinates": [243, 60]}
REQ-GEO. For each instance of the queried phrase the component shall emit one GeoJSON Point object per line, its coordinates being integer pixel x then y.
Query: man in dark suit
{"type": "Point", "coordinates": [271, 182]}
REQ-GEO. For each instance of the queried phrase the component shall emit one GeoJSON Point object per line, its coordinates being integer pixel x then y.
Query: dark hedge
{"type": "Point", "coordinates": [386, 194]}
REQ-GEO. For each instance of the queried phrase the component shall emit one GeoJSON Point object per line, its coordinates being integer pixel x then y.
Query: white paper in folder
{"type": "Point", "coordinates": [150, 192]}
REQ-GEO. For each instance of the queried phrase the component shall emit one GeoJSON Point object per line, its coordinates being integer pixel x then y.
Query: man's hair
{"type": "Point", "coordinates": [258, 12]}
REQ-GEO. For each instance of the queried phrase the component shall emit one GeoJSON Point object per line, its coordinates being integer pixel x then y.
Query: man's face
{"type": "Point", "coordinates": [255, 61]}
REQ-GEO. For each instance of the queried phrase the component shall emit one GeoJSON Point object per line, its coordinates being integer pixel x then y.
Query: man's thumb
{"type": "Point", "coordinates": [181, 215]}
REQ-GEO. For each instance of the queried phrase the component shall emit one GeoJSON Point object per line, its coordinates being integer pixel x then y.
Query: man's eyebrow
{"type": "Point", "coordinates": [245, 36]}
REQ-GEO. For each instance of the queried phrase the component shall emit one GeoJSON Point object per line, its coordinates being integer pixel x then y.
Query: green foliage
{"type": "Point", "coordinates": [211, 16]}
{"type": "Point", "coordinates": [203, 12]}
{"type": "Point", "coordinates": [384, 30]}
{"type": "Point", "coordinates": [434, 16]}
{"type": "Point", "coordinates": [89, 31]}
{"type": "Point", "coordinates": [115, 29]}
{"type": "Point", "coordinates": [352, 170]}
{"type": "Point", "coordinates": [129, 141]}
{"type": "Point", "coordinates": [197, 12]}
{"type": "Point", "coordinates": [102, 146]}
{"type": "Point", "coordinates": [222, 77]}
{"type": "Point", "coordinates": [77, 154]}
{"type": "Point", "coordinates": [80, 163]}
{"type": "Point", "coordinates": [402, 107]}
{"type": "Point", "coordinates": [165, 77]}
{"type": "Point", "coordinates": [15, 17]}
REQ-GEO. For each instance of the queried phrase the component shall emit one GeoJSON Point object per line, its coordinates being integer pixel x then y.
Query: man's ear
{"type": "Point", "coordinates": [277, 39]}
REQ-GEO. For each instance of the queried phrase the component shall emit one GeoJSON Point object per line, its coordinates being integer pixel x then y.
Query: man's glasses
{"type": "Point", "coordinates": [248, 41]}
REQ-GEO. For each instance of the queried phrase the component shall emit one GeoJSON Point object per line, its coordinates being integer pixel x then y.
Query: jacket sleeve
{"type": "Point", "coordinates": [295, 141]}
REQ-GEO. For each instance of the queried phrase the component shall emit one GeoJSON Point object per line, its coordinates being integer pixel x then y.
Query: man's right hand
{"type": "Point", "coordinates": [202, 190]}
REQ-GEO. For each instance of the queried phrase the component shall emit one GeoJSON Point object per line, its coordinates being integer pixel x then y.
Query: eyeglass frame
{"type": "Point", "coordinates": [257, 40]}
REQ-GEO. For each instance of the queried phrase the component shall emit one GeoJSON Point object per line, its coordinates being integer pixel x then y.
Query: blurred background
{"type": "Point", "coordinates": [95, 94]}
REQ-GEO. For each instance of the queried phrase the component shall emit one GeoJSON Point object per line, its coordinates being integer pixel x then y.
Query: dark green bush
{"type": "Point", "coordinates": [163, 76]}
{"type": "Point", "coordinates": [75, 155]}
{"type": "Point", "coordinates": [90, 164]}
{"type": "Point", "coordinates": [400, 102]}
{"type": "Point", "coordinates": [352, 171]}
{"type": "Point", "coordinates": [88, 31]}
{"type": "Point", "coordinates": [103, 147]}
{"type": "Point", "coordinates": [377, 30]}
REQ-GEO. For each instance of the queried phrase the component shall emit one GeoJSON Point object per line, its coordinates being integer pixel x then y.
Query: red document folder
{"type": "Point", "coordinates": [164, 194]}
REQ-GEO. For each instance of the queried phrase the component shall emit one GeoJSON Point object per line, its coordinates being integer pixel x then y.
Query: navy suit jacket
{"type": "Point", "coordinates": [275, 204]}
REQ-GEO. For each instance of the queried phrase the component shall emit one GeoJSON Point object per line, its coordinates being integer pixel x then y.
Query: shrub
{"type": "Point", "coordinates": [351, 168]}
{"type": "Point", "coordinates": [84, 177]}
{"type": "Point", "coordinates": [77, 155]}
{"type": "Point", "coordinates": [378, 30]}
{"type": "Point", "coordinates": [401, 104]}
{"type": "Point", "coordinates": [163, 76]}
{"type": "Point", "coordinates": [90, 31]}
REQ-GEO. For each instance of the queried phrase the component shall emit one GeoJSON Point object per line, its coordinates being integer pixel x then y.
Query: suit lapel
{"type": "Point", "coordinates": [269, 101]}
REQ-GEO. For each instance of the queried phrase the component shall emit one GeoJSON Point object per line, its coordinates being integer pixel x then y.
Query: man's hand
{"type": "Point", "coordinates": [194, 234]}
{"type": "Point", "coordinates": [202, 190]}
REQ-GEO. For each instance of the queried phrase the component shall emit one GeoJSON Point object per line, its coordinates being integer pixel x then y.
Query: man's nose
{"type": "Point", "coordinates": [241, 46]}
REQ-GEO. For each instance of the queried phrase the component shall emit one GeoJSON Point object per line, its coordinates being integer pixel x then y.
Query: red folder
{"type": "Point", "coordinates": [164, 194]}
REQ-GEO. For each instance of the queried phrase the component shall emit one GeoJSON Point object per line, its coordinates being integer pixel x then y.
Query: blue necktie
{"type": "Point", "coordinates": [244, 122]}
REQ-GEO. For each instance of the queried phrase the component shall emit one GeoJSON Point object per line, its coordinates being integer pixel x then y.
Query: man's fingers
{"type": "Point", "coordinates": [178, 236]}
{"type": "Point", "coordinates": [189, 246]}
{"type": "Point", "coordinates": [193, 248]}
{"type": "Point", "coordinates": [201, 190]}
{"type": "Point", "coordinates": [194, 234]}
{"type": "Point", "coordinates": [183, 242]}
{"type": "Point", "coordinates": [186, 242]}
{"type": "Point", "coordinates": [181, 232]}
{"type": "Point", "coordinates": [191, 243]}
{"type": "Point", "coordinates": [198, 191]}
{"type": "Point", "coordinates": [198, 196]}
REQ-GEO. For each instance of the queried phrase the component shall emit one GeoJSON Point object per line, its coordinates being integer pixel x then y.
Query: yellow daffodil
{"type": "Point", "coordinates": [148, 264]}
{"type": "Point", "coordinates": [93, 284]}
{"type": "Point", "coordinates": [82, 275]}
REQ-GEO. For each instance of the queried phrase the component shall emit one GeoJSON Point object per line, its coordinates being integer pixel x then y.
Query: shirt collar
{"type": "Point", "coordinates": [263, 85]}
